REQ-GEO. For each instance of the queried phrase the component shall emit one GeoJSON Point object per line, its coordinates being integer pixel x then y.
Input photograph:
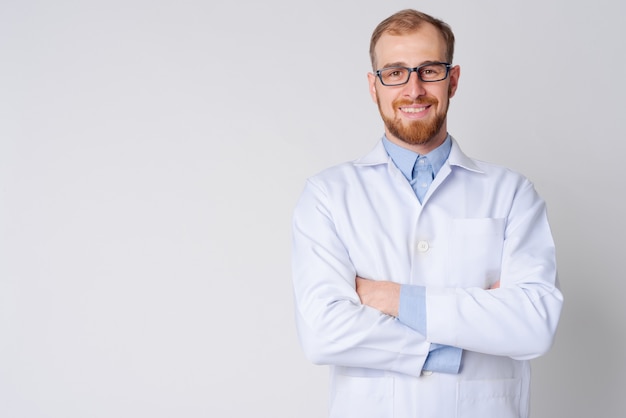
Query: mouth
{"type": "Point", "coordinates": [414, 109]}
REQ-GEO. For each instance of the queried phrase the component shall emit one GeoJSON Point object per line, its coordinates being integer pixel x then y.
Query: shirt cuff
{"type": "Point", "coordinates": [443, 359]}
{"type": "Point", "coordinates": [412, 309]}
{"type": "Point", "coordinates": [412, 312]}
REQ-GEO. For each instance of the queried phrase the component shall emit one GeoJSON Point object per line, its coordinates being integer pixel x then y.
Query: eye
{"type": "Point", "coordinates": [434, 72]}
{"type": "Point", "coordinates": [429, 71]}
{"type": "Point", "coordinates": [394, 73]}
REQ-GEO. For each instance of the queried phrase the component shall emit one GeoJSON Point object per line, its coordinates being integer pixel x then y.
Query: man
{"type": "Point", "coordinates": [424, 278]}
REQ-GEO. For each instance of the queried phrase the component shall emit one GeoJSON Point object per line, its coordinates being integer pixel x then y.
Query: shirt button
{"type": "Point", "coordinates": [422, 246]}
{"type": "Point", "coordinates": [426, 373]}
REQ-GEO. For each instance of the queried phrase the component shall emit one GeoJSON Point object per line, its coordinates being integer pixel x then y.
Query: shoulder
{"type": "Point", "coordinates": [498, 170]}
{"type": "Point", "coordinates": [479, 169]}
{"type": "Point", "coordinates": [333, 180]}
{"type": "Point", "coordinates": [349, 171]}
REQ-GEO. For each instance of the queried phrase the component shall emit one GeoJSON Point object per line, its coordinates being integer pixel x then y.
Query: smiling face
{"type": "Point", "coordinates": [414, 113]}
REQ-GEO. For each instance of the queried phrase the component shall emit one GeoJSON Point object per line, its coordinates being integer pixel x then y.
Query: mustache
{"type": "Point", "coordinates": [420, 101]}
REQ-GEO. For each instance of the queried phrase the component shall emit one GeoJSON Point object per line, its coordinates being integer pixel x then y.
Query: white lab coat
{"type": "Point", "coordinates": [479, 223]}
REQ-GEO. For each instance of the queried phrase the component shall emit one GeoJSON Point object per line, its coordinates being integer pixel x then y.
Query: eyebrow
{"type": "Point", "coordinates": [404, 64]}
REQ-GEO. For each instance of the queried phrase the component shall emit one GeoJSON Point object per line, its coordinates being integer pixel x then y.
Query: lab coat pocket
{"type": "Point", "coordinates": [476, 251]}
{"type": "Point", "coordinates": [362, 397]}
{"type": "Point", "coordinates": [489, 398]}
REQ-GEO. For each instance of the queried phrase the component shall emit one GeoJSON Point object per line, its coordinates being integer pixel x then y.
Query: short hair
{"type": "Point", "coordinates": [408, 21]}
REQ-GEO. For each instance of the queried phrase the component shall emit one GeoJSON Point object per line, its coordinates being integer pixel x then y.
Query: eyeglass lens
{"type": "Point", "coordinates": [400, 75]}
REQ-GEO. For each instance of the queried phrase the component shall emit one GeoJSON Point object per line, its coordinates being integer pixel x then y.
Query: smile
{"type": "Point", "coordinates": [413, 109]}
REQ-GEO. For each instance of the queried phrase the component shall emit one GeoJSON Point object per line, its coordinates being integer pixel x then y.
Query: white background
{"type": "Point", "coordinates": [151, 153]}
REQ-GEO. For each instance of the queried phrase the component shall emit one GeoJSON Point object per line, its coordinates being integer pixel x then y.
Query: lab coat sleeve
{"type": "Point", "coordinates": [520, 318]}
{"type": "Point", "coordinates": [333, 326]}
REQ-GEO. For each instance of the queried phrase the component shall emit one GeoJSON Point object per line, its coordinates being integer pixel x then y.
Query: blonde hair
{"type": "Point", "coordinates": [408, 21]}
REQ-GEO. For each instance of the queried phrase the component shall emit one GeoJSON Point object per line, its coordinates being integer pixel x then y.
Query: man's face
{"type": "Point", "coordinates": [414, 113]}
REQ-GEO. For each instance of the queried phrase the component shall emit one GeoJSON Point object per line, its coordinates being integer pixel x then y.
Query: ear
{"type": "Point", "coordinates": [455, 73]}
{"type": "Point", "coordinates": [371, 78]}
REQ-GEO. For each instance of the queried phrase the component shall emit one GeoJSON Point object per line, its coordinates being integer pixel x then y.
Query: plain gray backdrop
{"type": "Point", "coordinates": [151, 153]}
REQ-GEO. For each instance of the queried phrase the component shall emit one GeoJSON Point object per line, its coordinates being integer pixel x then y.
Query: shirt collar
{"type": "Point", "coordinates": [405, 159]}
{"type": "Point", "coordinates": [378, 155]}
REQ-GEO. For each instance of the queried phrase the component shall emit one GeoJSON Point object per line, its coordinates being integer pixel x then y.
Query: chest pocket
{"type": "Point", "coordinates": [475, 251]}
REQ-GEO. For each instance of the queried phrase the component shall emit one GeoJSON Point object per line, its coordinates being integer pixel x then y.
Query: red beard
{"type": "Point", "coordinates": [415, 132]}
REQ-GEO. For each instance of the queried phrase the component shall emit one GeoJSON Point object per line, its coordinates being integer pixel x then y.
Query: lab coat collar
{"type": "Point", "coordinates": [379, 156]}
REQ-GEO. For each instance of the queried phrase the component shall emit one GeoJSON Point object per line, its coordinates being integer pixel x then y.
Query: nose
{"type": "Point", "coordinates": [414, 87]}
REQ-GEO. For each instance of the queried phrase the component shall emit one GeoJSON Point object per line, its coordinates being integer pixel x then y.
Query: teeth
{"type": "Point", "coordinates": [413, 109]}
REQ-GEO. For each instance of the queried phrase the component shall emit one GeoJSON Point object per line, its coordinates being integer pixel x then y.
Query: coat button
{"type": "Point", "coordinates": [422, 246]}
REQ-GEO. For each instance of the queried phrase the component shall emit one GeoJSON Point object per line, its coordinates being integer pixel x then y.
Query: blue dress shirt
{"type": "Point", "coordinates": [412, 310]}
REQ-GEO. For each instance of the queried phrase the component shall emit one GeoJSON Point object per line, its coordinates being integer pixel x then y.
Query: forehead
{"type": "Point", "coordinates": [412, 49]}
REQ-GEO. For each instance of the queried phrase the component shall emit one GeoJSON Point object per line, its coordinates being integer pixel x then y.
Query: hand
{"type": "Point", "coordinates": [381, 295]}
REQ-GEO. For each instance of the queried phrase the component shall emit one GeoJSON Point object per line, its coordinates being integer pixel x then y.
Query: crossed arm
{"type": "Point", "coordinates": [517, 320]}
{"type": "Point", "coordinates": [384, 295]}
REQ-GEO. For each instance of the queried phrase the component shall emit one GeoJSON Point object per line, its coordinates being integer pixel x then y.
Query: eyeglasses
{"type": "Point", "coordinates": [396, 76]}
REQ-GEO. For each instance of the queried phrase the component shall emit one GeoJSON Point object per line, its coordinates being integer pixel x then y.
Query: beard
{"type": "Point", "coordinates": [414, 132]}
